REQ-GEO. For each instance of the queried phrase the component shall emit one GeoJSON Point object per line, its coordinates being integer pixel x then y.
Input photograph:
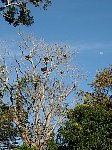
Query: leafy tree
{"type": "Point", "coordinates": [102, 88]}
{"type": "Point", "coordinates": [51, 145]}
{"type": "Point", "coordinates": [8, 132]}
{"type": "Point", "coordinates": [89, 125]}
{"type": "Point", "coordinates": [24, 147]}
{"type": "Point", "coordinates": [37, 86]}
{"type": "Point", "coordinates": [102, 85]}
{"type": "Point", "coordinates": [17, 12]}
{"type": "Point", "coordinates": [88, 128]}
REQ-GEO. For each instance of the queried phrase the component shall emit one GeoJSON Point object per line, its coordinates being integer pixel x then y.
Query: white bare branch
{"type": "Point", "coordinates": [41, 80]}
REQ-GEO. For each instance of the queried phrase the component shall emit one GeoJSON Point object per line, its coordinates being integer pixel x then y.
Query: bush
{"type": "Point", "coordinates": [25, 147]}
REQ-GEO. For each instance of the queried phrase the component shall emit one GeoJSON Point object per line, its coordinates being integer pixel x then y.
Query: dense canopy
{"type": "Point", "coordinates": [88, 128]}
{"type": "Point", "coordinates": [18, 12]}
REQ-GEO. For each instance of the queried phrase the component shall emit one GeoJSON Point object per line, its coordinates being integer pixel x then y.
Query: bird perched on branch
{"type": "Point", "coordinates": [28, 57]}
{"type": "Point", "coordinates": [44, 70]}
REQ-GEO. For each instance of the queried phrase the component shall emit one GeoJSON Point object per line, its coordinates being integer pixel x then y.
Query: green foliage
{"type": "Point", "coordinates": [89, 125]}
{"type": "Point", "coordinates": [102, 88]}
{"type": "Point", "coordinates": [25, 147]}
{"type": "Point", "coordinates": [16, 12]}
{"type": "Point", "coordinates": [103, 82]}
{"type": "Point", "coordinates": [51, 145]}
{"type": "Point", "coordinates": [8, 132]}
{"type": "Point", "coordinates": [88, 128]}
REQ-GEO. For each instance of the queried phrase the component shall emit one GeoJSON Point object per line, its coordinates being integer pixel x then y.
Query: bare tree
{"type": "Point", "coordinates": [37, 86]}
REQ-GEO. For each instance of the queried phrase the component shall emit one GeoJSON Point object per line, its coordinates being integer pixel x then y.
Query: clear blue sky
{"type": "Point", "coordinates": [86, 25]}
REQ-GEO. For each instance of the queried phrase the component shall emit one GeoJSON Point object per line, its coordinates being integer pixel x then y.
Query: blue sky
{"type": "Point", "coordinates": [86, 25]}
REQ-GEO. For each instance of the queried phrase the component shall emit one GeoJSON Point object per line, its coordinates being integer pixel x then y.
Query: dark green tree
{"type": "Point", "coordinates": [102, 85]}
{"type": "Point", "coordinates": [8, 131]}
{"type": "Point", "coordinates": [102, 88]}
{"type": "Point", "coordinates": [18, 12]}
{"type": "Point", "coordinates": [24, 147]}
{"type": "Point", "coordinates": [88, 128]}
{"type": "Point", "coordinates": [89, 125]}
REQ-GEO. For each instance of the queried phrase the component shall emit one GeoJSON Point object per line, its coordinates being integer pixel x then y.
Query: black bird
{"type": "Point", "coordinates": [44, 70]}
{"type": "Point", "coordinates": [28, 57]}
{"type": "Point", "coordinates": [1, 95]}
